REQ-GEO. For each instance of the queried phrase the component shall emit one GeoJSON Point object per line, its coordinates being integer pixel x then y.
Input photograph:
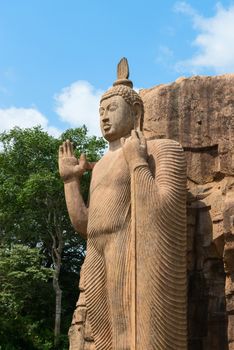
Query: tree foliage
{"type": "Point", "coordinates": [23, 311]}
{"type": "Point", "coordinates": [33, 216]}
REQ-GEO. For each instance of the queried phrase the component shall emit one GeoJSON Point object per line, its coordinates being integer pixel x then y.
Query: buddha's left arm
{"type": "Point", "coordinates": [159, 236]}
{"type": "Point", "coordinates": [158, 170]}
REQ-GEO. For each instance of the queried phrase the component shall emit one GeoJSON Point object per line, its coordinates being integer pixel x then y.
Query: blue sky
{"type": "Point", "coordinates": [58, 56]}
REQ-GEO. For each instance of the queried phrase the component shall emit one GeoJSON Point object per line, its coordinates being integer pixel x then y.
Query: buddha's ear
{"type": "Point", "coordinates": [138, 116]}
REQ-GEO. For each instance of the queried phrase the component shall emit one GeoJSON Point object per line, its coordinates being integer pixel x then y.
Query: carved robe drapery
{"type": "Point", "coordinates": [154, 251]}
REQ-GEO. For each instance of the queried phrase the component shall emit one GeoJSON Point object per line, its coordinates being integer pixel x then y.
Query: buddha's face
{"type": "Point", "coordinates": [116, 118]}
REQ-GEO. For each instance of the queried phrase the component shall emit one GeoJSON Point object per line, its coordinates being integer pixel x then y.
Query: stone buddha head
{"type": "Point", "coordinates": [121, 108]}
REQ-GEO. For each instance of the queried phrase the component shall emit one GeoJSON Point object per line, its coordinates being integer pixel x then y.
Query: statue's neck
{"type": "Point", "coordinates": [114, 145]}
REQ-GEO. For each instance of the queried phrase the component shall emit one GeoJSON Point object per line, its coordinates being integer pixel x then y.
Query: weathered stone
{"type": "Point", "coordinates": [80, 316]}
{"type": "Point", "coordinates": [81, 300]}
{"type": "Point", "coordinates": [89, 346]}
{"type": "Point", "coordinates": [231, 330]}
{"type": "Point", "coordinates": [198, 112]}
{"type": "Point", "coordinates": [88, 332]}
{"type": "Point", "coordinates": [76, 337]}
{"type": "Point", "coordinates": [135, 269]}
{"type": "Point", "coordinates": [230, 300]}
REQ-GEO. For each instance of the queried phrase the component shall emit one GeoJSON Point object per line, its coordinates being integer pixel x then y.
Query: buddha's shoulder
{"type": "Point", "coordinates": [166, 154]}
{"type": "Point", "coordinates": [163, 145]}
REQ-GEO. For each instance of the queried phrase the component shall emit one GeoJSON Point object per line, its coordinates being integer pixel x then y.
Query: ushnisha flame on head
{"type": "Point", "coordinates": [123, 86]}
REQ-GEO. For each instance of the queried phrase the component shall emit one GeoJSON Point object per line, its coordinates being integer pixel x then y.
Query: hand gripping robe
{"type": "Point", "coordinates": [135, 268]}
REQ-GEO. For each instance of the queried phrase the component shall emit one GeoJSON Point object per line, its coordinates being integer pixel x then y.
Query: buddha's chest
{"type": "Point", "coordinates": [111, 172]}
{"type": "Point", "coordinates": [109, 196]}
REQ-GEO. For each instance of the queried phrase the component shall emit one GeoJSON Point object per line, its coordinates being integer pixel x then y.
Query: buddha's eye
{"type": "Point", "coordinates": [113, 107]}
{"type": "Point", "coordinates": [101, 111]}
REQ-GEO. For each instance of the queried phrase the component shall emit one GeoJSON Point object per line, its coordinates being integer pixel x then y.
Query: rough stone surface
{"type": "Point", "coordinates": [80, 334]}
{"type": "Point", "coordinates": [199, 113]}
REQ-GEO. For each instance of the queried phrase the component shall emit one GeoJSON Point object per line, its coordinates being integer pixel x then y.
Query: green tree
{"type": "Point", "coordinates": [22, 308]}
{"type": "Point", "coordinates": [32, 204]}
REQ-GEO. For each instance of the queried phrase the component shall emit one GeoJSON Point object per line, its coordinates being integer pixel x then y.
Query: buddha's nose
{"type": "Point", "coordinates": [105, 118]}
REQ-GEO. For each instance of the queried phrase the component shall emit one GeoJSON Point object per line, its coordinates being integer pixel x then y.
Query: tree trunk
{"type": "Point", "coordinates": [58, 302]}
{"type": "Point", "coordinates": [57, 249]}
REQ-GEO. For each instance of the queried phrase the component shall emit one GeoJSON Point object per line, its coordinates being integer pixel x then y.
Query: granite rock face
{"type": "Point", "coordinates": [199, 113]}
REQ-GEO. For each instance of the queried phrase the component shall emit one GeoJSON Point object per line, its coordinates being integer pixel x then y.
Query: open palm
{"type": "Point", "coordinates": [69, 166]}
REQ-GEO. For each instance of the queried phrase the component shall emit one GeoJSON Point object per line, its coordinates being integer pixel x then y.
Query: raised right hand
{"type": "Point", "coordinates": [69, 166]}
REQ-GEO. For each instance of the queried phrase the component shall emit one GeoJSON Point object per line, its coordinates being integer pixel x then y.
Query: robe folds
{"type": "Point", "coordinates": [135, 268]}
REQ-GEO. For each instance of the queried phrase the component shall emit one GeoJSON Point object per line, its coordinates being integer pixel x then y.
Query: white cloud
{"type": "Point", "coordinates": [185, 8]}
{"type": "Point", "coordinates": [165, 54]}
{"type": "Point", "coordinates": [78, 104]}
{"type": "Point", "coordinates": [214, 40]}
{"type": "Point", "coordinates": [25, 118]}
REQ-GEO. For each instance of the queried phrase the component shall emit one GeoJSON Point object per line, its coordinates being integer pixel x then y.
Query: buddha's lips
{"type": "Point", "coordinates": [106, 126]}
